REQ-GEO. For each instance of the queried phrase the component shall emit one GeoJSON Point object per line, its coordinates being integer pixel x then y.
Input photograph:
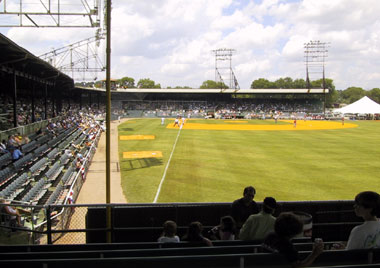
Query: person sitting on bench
{"type": "Point", "coordinates": [14, 214]}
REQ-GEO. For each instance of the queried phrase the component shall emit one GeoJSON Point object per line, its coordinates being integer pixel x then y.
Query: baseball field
{"type": "Point", "coordinates": [213, 160]}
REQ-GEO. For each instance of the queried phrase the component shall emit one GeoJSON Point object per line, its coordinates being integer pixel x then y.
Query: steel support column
{"type": "Point", "coordinates": [108, 121]}
{"type": "Point", "coordinates": [14, 99]}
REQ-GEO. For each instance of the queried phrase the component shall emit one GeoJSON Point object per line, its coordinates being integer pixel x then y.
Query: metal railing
{"type": "Point", "coordinates": [27, 129]}
{"type": "Point", "coordinates": [45, 224]}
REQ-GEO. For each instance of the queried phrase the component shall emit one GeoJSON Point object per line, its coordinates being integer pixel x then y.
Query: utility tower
{"type": "Point", "coordinates": [316, 53]}
{"type": "Point", "coordinates": [223, 68]}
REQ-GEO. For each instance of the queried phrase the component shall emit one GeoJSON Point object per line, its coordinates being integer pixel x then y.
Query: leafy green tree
{"type": "Point", "coordinates": [178, 87]}
{"type": "Point", "coordinates": [286, 82]}
{"type": "Point", "coordinates": [352, 94]}
{"type": "Point", "coordinates": [147, 83]}
{"type": "Point", "coordinates": [299, 83]}
{"type": "Point", "coordinates": [374, 94]}
{"type": "Point", "coordinates": [209, 84]}
{"type": "Point", "coordinates": [332, 96]}
{"type": "Point", "coordinates": [98, 84]}
{"type": "Point", "coordinates": [126, 82]}
{"type": "Point", "coordinates": [262, 83]}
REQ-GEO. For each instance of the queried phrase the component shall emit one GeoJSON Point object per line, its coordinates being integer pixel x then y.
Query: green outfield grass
{"type": "Point", "coordinates": [215, 165]}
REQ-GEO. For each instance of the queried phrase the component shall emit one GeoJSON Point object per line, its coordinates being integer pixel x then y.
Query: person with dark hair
{"type": "Point", "coordinates": [169, 233]}
{"type": "Point", "coordinates": [194, 234]}
{"type": "Point", "coordinates": [226, 230]}
{"type": "Point", "coordinates": [258, 226]}
{"type": "Point", "coordinates": [287, 226]}
{"type": "Point", "coordinates": [244, 207]}
{"type": "Point", "coordinates": [367, 235]}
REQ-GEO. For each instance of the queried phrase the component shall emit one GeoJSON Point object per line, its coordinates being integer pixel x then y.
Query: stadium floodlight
{"type": "Point", "coordinates": [223, 67]}
{"type": "Point", "coordinates": [316, 53]}
{"type": "Point", "coordinates": [78, 59]}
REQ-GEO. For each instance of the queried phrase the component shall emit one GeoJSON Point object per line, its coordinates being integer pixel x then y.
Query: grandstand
{"type": "Point", "coordinates": [60, 131]}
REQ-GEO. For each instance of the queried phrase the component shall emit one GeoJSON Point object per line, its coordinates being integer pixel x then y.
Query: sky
{"type": "Point", "coordinates": [172, 41]}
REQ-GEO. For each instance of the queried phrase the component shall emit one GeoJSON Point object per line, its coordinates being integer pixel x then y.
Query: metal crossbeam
{"type": "Point", "coordinates": [50, 13]}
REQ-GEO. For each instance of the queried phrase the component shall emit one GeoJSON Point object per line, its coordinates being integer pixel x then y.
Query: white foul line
{"type": "Point", "coordinates": [166, 168]}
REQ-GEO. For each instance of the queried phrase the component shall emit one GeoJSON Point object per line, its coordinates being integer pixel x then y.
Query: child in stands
{"type": "Point", "coordinates": [169, 233]}
{"type": "Point", "coordinates": [225, 230]}
{"type": "Point", "coordinates": [194, 234]}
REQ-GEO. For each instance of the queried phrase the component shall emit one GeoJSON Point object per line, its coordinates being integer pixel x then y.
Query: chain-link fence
{"type": "Point", "coordinates": [61, 224]}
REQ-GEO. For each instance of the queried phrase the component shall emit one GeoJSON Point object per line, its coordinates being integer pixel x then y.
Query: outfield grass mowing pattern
{"type": "Point", "coordinates": [215, 166]}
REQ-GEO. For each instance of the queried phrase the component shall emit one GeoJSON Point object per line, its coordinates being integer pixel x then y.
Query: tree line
{"type": "Point", "coordinates": [349, 95]}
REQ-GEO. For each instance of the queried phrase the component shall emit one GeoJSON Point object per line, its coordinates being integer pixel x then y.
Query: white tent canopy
{"type": "Point", "coordinates": [363, 106]}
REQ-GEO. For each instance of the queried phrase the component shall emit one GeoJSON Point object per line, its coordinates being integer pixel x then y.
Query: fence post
{"type": "Point", "coordinates": [48, 225]}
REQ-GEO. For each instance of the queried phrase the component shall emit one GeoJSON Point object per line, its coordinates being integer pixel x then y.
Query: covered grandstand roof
{"type": "Point", "coordinates": [14, 58]}
{"type": "Point", "coordinates": [217, 90]}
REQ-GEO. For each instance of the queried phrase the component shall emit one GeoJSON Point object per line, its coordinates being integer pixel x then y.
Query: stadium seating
{"type": "Point", "coordinates": [40, 150]}
{"type": "Point", "coordinates": [5, 173]}
{"type": "Point", "coordinates": [35, 192]}
{"type": "Point", "coordinates": [38, 165]}
{"type": "Point", "coordinates": [54, 196]}
{"type": "Point", "coordinates": [69, 172]}
{"type": "Point", "coordinates": [28, 147]}
{"type": "Point", "coordinates": [115, 255]}
{"type": "Point", "coordinates": [5, 159]}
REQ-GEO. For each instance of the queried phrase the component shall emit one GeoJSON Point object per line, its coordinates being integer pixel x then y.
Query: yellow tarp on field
{"type": "Point", "coordinates": [137, 137]}
{"type": "Point", "coordinates": [141, 154]}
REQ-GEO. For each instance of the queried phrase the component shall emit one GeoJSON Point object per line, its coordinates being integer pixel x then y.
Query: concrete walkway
{"type": "Point", "coordinates": [94, 189]}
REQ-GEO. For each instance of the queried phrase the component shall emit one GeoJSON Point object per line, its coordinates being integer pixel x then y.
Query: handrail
{"type": "Point", "coordinates": [73, 184]}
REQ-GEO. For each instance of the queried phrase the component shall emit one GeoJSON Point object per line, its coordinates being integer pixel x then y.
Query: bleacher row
{"type": "Point", "coordinates": [184, 254]}
{"type": "Point", "coordinates": [39, 177]}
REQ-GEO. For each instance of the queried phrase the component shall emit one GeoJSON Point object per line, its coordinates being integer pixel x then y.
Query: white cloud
{"type": "Point", "coordinates": [171, 41]}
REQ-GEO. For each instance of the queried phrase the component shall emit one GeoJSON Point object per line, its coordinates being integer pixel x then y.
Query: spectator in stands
{"type": "Point", "coordinates": [11, 144]}
{"type": "Point", "coordinates": [169, 233]}
{"type": "Point", "coordinates": [12, 212]}
{"type": "Point", "coordinates": [226, 230]}
{"type": "Point", "coordinates": [3, 147]}
{"type": "Point", "coordinates": [258, 226]}
{"type": "Point", "coordinates": [194, 234]}
{"type": "Point", "coordinates": [18, 138]}
{"type": "Point", "coordinates": [287, 226]}
{"type": "Point", "coordinates": [244, 207]}
{"type": "Point", "coordinates": [16, 154]}
{"type": "Point", "coordinates": [367, 235]}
